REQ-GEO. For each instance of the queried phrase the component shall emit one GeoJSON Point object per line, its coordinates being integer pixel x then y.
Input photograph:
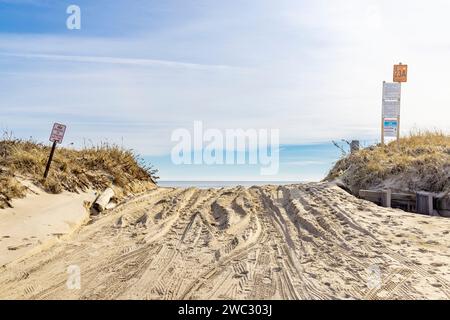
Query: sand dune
{"type": "Point", "coordinates": [309, 241]}
{"type": "Point", "coordinates": [39, 220]}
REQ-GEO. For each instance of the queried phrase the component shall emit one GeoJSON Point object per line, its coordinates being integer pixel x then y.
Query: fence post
{"type": "Point", "coordinates": [386, 197]}
{"type": "Point", "coordinates": [424, 203]}
{"type": "Point", "coordinates": [354, 146]}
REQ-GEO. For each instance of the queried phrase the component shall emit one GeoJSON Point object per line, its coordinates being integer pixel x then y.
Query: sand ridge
{"type": "Point", "coordinates": [307, 241]}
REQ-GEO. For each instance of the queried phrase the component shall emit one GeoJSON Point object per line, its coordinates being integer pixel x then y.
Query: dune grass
{"type": "Point", "coordinates": [419, 162]}
{"type": "Point", "coordinates": [73, 170]}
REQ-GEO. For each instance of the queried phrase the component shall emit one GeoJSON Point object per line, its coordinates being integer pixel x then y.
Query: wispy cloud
{"type": "Point", "coordinates": [120, 61]}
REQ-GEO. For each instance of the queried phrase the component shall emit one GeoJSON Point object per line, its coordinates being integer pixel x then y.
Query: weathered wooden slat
{"type": "Point", "coordinates": [404, 197]}
{"type": "Point", "coordinates": [420, 202]}
{"type": "Point", "coordinates": [371, 195]}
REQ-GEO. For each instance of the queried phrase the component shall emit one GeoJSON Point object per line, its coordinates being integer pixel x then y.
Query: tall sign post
{"type": "Point", "coordinates": [390, 115]}
{"type": "Point", "coordinates": [56, 137]}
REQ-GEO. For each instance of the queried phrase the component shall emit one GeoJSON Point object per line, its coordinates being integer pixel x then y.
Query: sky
{"type": "Point", "coordinates": [137, 70]}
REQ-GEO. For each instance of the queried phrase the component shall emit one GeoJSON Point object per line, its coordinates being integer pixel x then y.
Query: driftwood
{"type": "Point", "coordinates": [103, 200]}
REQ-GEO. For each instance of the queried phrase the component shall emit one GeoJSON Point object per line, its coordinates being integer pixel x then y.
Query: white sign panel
{"type": "Point", "coordinates": [391, 108]}
{"type": "Point", "coordinates": [390, 127]}
{"type": "Point", "coordinates": [391, 99]}
{"type": "Point", "coordinates": [58, 132]}
{"type": "Point", "coordinates": [391, 91]}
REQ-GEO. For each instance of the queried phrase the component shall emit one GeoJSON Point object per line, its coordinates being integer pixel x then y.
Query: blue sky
{"type": "Point", "coordinates": [297, 163]}
{"type": "Point", "coordinates": [137, 70]}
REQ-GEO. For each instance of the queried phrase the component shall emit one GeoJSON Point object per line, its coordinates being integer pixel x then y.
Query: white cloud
{"type": "Point", "coordinates": [118, 61]}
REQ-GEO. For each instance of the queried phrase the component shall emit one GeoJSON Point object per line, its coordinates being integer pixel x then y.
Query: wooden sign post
{"type": "Point", "coordinates": [56, 137]}
{"type": "Point", "coordinates": [390, 115]}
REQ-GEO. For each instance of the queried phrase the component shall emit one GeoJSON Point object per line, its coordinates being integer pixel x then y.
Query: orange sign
{"type": "Point", "coordinates": [400, 73]}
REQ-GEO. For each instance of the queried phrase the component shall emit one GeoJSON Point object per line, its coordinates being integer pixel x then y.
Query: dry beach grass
{"type": "Point", "coordinates": [420, 162]}
{"type": "Point", "coordinates": [72, 170]}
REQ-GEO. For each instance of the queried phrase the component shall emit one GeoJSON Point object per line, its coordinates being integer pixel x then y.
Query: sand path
{"type": "Point", "coordinates": [309, 241]}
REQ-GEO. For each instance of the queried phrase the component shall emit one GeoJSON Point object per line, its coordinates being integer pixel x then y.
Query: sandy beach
{"type": "Point", "coordinates": [39, 220]}
{"type": "Point", "coordinates": [307, 241]}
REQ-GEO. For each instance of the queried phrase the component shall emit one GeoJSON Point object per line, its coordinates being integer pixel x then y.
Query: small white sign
{"type": "Point", "coordinates": [58, 132]}
{"type": "Point", "coordinates": [391, 91]}
{"type": "Point", "coordinates": [390, 127]}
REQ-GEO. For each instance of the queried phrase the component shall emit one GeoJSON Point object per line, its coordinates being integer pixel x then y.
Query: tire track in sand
{"type": "Point", "coordinates": [307, 241]}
